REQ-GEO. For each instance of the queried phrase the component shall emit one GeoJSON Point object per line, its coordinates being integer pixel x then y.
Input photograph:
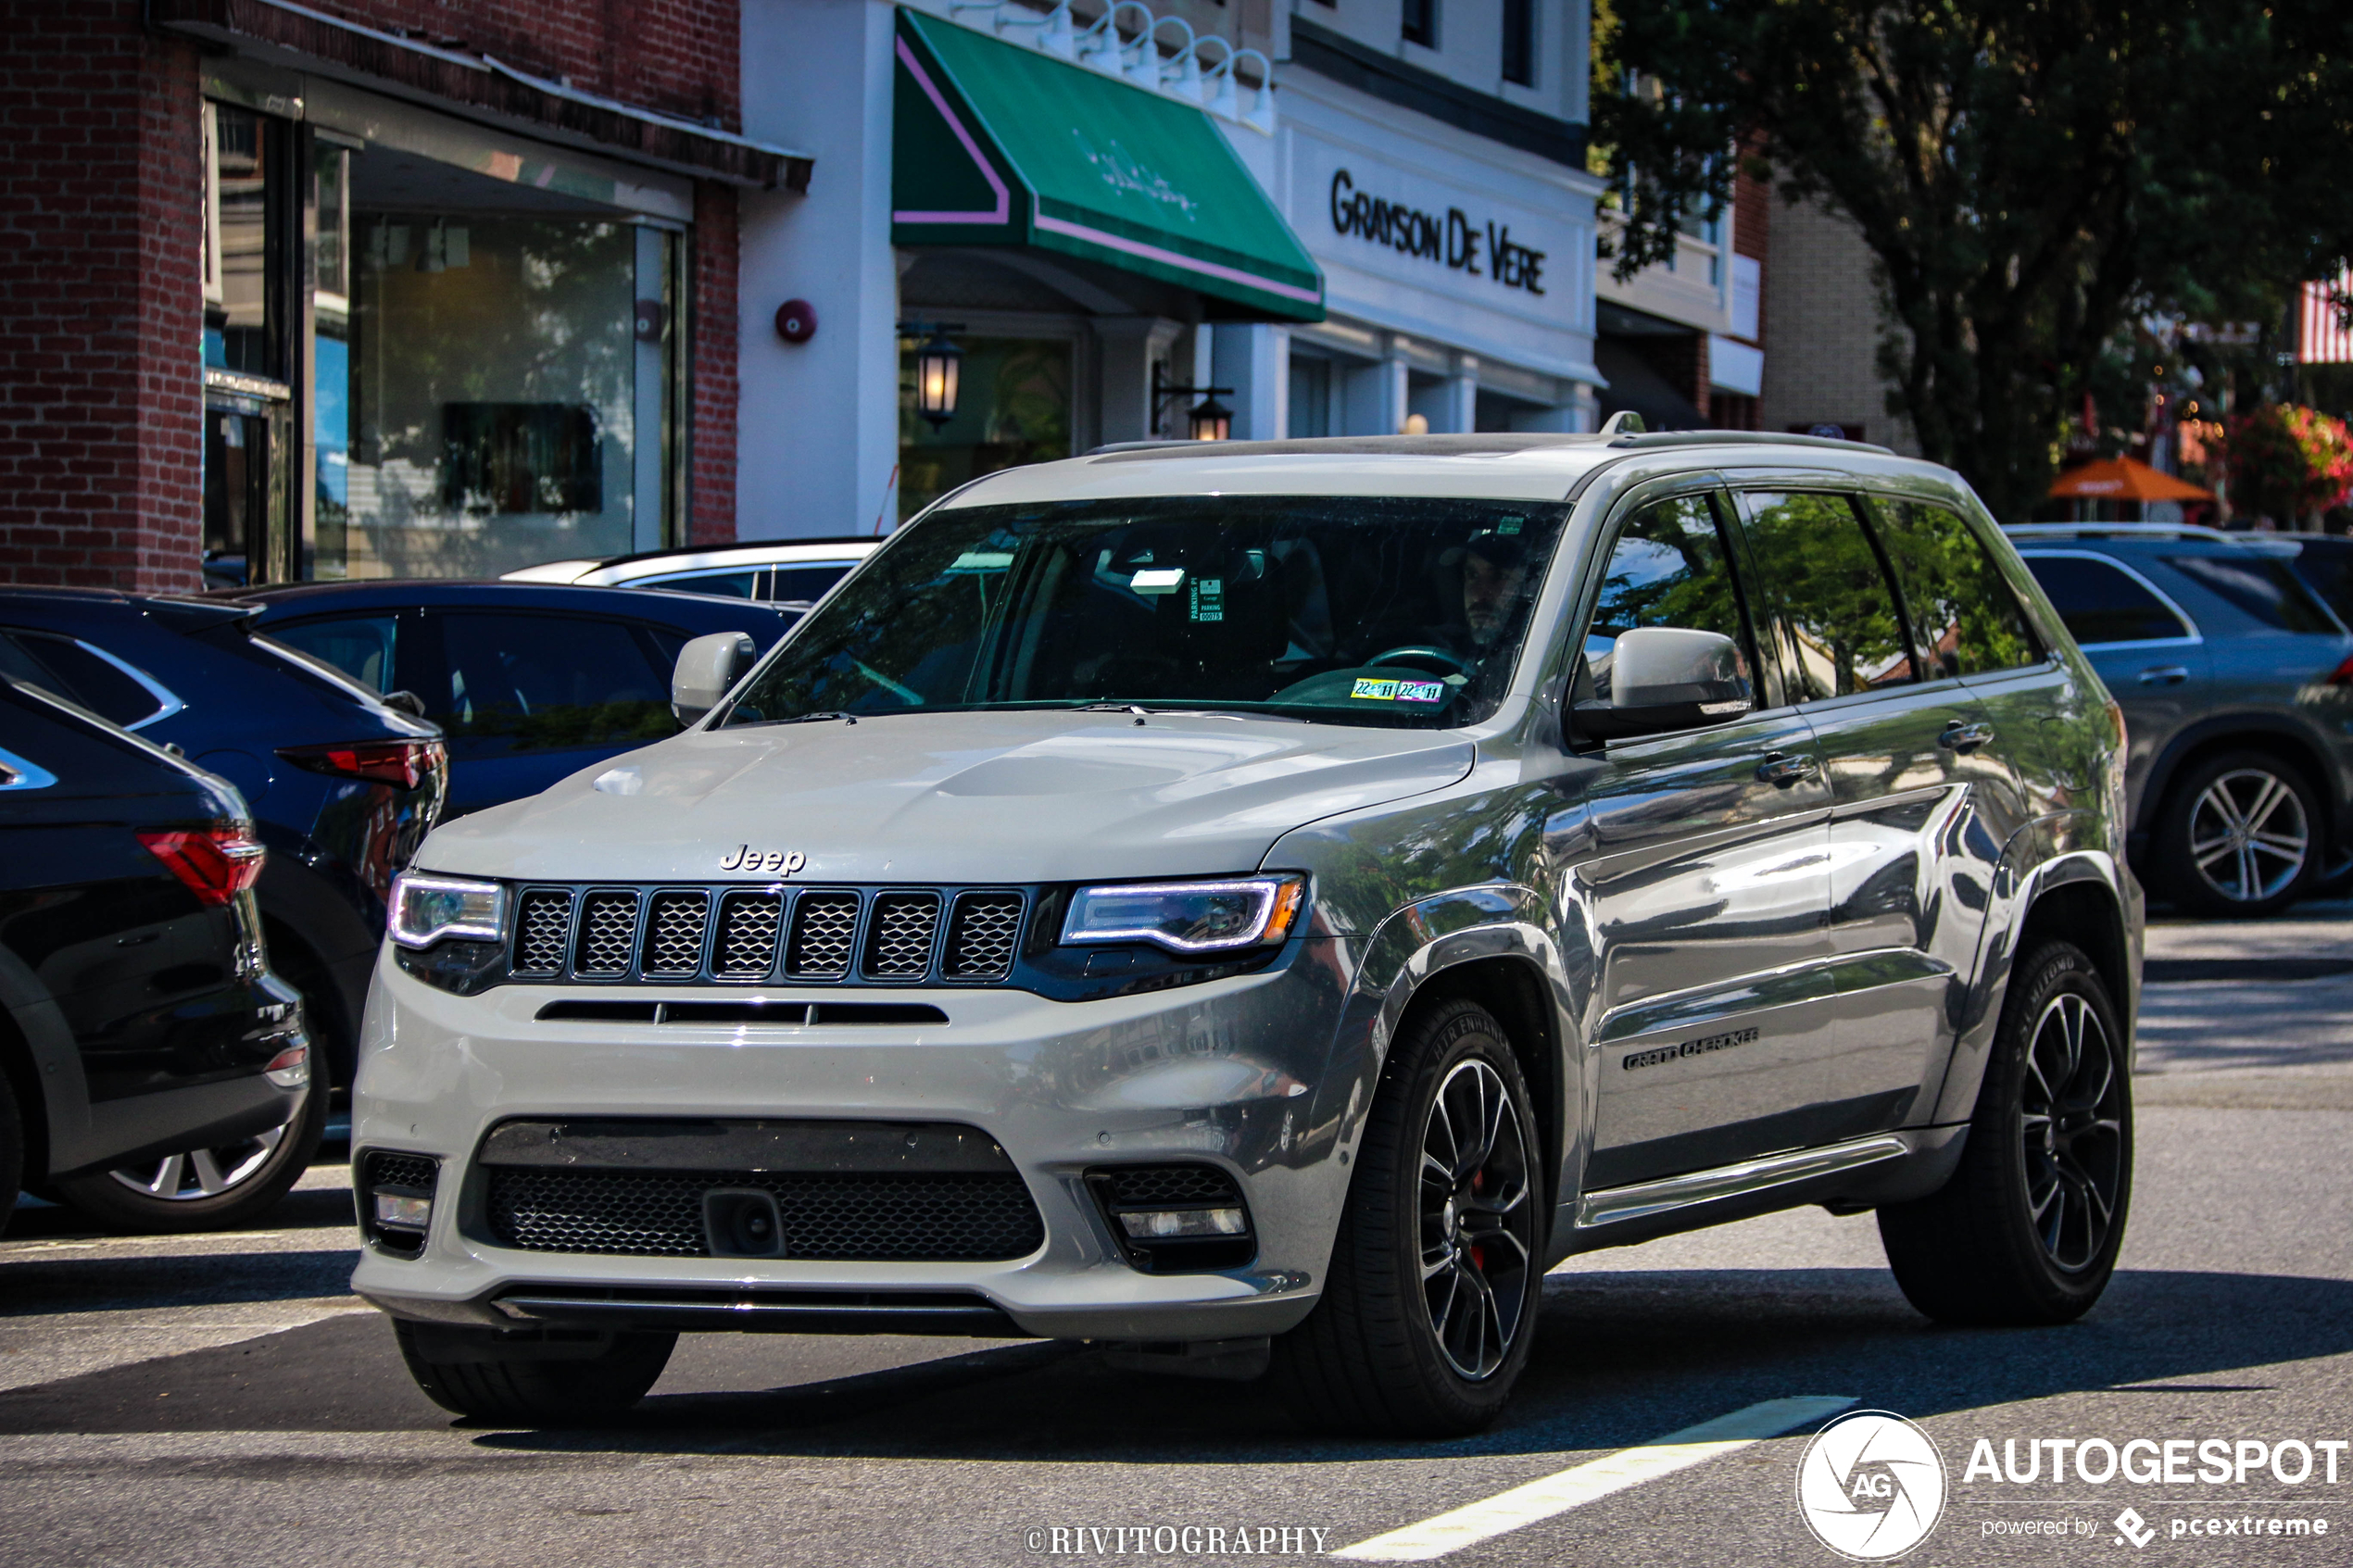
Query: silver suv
{"type": "Point", "coordinates": [1258, 907]}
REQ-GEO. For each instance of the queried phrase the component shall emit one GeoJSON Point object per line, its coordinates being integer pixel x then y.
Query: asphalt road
{"type": "Point", "coordinates": [211, 1399]}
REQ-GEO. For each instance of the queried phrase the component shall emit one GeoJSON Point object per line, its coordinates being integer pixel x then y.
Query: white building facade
{"type": "Point", "coordinates": [1398, 235]}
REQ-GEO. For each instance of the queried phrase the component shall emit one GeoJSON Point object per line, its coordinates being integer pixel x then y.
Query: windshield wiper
{"type": "Point", "coordinates": [1208, 709]}
{"type": "Point", "coordinates": [799, 719]}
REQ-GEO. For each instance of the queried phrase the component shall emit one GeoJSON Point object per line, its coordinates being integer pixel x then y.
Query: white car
{"type": "Point", "coordinates": [794, 573]}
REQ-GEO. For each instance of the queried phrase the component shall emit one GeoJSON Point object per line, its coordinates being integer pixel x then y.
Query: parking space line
{"type": "Point", "coordinates": [1574, 1487]}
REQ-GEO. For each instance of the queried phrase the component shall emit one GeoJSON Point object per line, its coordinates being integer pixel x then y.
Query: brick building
{"type": "Point", "coordinates": [403, 287]}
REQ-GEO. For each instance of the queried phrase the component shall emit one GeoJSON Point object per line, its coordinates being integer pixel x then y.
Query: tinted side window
{"type": "Point", "coordinates": [2260, 586]}
{"type": "Point", "coordinates": [2101, 603]}
{"type": "Point", "coordinates": [548, 681]}
{"type": "Point", "coordinates": [1668, 568]}
{"type": "Point", "coordinates": [1965, 619]}
{"type": "Point", "coordinates": [1829, 593]}
{"type": "Point", "coordinates": [805, 585]}
{"type": "Point", "coordinates": [743, 584]}
{"type": "Point", "coordinates": [61, 666]}
{"type": "Point", "coordinates": [362, 647]}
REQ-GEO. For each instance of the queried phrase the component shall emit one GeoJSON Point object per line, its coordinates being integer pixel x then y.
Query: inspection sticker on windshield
{"type": "Point", "coordinates": [1374, 690]}
{"type": "Point", "coordinates": [1421, 691]}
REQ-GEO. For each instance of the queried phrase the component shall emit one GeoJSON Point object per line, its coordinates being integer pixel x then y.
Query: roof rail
{"type": "Point", "coordinates": [2123, 530]}
{"type": "Point", "coordinates": [1742, 438]}
{"type": "Point", "coordinates": [1483, 444]}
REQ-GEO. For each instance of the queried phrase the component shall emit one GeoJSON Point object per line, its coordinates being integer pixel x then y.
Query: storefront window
{"type": "Point", "coordinates": [1013, 407]}
{"type": "Point", "coordinates": [493, 382]}
{"type": "Point", "coordinates": [244, 325]}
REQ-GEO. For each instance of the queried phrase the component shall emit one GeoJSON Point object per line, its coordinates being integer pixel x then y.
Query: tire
{"type": "Point", "coordinates": [2241, 836]}
{"type": "Point", "coordinates": [525, 1392]}
{"type": "Point", "coordinates": [207, 1189]}
{"type": "Point", "coordinates": [1429, 1305]}
{"type": "Point", "coordinates": [11, 1153]}
{"type": "Point", "coordinates": [2026, 1233]}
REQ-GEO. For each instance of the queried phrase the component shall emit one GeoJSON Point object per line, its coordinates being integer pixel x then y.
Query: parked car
{"type": "Point", "coordinates": [341, 786]}
{"type": "Point", "coordinates": [528, 681]}
{"type": "Point", "coordinates": [154, 1072]}
{"type": "Point", "coordinates": [2325, 562]}
{"type": "Point", "coordinates": [2238, 686]}
{"type": "Point", "coordinates": [1258, 907]}
{"type": "Point", "coordinates": [794, 573]}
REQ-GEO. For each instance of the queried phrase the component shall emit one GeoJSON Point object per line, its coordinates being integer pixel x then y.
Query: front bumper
{"type": "Point", "coordinates": [1257, 1075]}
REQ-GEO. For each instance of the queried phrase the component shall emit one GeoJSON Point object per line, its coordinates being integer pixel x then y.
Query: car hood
{"type": "Point", "coordinates": [951, 797]}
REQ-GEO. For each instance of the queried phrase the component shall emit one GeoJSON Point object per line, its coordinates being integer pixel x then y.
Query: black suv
{"type": "Point", "coordinates": [152, 1071]}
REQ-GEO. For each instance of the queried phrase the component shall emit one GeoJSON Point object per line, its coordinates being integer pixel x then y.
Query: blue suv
{"type": "Point", "coordinates": [2236, 682]}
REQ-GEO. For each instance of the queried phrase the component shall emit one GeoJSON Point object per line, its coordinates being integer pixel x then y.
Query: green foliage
{"type": "Point", "coordinates": [2029, 174]}
{"type": "Point", "coordinates": [2285, 463]}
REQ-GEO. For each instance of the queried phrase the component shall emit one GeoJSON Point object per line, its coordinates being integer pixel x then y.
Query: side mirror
{"type": "Point", "coordinates": [1666, 678]}
{"type": "Point", "coordinates": [707, 667]}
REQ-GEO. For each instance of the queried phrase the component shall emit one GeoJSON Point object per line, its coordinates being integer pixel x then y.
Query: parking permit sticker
{"type": "Point", "coordinates": [1209, 598]}
{"type": "Point", "coordinates": [1422, 691]}
{"type": "Point", "coordinates": [1376, 691]}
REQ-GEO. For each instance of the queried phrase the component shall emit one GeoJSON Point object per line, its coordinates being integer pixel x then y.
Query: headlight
{"type": "Point", "coordinates": [426, 908]}
{"type": "Point", "coordinates": [1189, 917]}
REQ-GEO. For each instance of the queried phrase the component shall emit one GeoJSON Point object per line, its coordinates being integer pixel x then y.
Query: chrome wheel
{"type": "Point", "coordinates": [2249, 835]}
{"type": "Point", "coordinates": [2072, 1132]}
{"type": "Point", "coordinates": [202, 1173]}
{"type": "Point", "coordinates": [1478, 1216]}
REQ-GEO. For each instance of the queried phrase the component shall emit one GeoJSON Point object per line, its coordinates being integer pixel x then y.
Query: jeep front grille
{"type": "Point", "coordinates": [750, 935]}
{"type": "Point", "coordinates": [823, 924]}
{"type": "Point", "coordinates": [674, 934]}
{"type": "Point", "coordinates": [608, 932]}
{"type": "Point", "coordinates": [982, 935]}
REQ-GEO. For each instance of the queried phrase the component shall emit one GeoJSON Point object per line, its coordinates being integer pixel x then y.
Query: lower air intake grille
{"type": "Point", "coordinates": [542, 932]}
{"type": "Point", "coordinates": [1174, 1186]}
{"type": "Point", "coordinates": [900, 945]}
{"type": "Point", "coordinates": [981, 934]}
{"type": "Point", "coordinates": [415, 1171]}
{"type": "Point", "coordinates": [607, 931]}
{"type": "Point", "coordinates": [830, 1217]}
{"type": "Point", "coordinates": [823, 924]}
{"type": "Point", "coordinates": [674, 924]}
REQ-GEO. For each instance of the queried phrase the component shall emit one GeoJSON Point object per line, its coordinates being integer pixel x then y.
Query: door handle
{"type": "Point", "coordinates": [2165, 675]}
{"type": "Point", "coordinates": [1783, 771]}
{"type": "Point", "coordinates": [1965, 738]}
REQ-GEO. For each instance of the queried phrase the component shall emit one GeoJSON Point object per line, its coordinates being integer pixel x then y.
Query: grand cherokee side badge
{"type": "Point", "coordinates": [744, 857]}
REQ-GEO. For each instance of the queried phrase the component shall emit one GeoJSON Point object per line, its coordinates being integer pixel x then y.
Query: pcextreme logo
{"type": "Point", "coordinates": [1871, 1485]}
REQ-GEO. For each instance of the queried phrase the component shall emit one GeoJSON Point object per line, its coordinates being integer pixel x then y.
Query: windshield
{"type": "Point", "coordinates": [1353, 609]}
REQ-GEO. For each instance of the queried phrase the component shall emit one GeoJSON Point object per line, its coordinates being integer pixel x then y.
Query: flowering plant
{"type": "Point", "coordinates": [2286, 462]}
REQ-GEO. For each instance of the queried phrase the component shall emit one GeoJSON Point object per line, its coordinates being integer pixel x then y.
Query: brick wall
{"type": "Point", "coordinates": [710, 507]}
{"type": "Point", "coordinates": [676, 55]}
{"type": "Point", "coordinates": [100, 409]}
{"type": "Point", "coordinates": [1822, 326]}
{"type": "Point", "coordinates": [101, 317]}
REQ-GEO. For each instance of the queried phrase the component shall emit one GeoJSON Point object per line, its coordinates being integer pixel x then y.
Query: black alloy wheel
{"type": "Point", "coordinates": [1479, 1223]}
{"type": "Point", "coordinates": [2071, 1132]}
{"type": "Point", "coordinates": [1429, 1305]}
{"type": "Point", "coordinates": [2026, 1230]}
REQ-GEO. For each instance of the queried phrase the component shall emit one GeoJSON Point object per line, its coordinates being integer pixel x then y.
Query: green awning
{"type": "Point", "coordinates": [998, 144]}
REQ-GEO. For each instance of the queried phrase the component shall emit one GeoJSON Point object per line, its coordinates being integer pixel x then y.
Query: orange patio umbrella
{"type": "Point", "coordinates": [2122, 479]}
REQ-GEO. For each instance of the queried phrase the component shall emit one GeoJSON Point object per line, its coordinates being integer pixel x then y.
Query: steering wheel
{"type": "Point", "coordinates": [1423, 655]}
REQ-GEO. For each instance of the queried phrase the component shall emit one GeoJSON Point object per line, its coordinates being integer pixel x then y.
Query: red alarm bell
{"type": "Point", "coordinates": [796, 320]}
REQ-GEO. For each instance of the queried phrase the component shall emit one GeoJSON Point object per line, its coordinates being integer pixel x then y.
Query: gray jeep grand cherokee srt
{"type": "Point", "coordinates": [1262, 905]}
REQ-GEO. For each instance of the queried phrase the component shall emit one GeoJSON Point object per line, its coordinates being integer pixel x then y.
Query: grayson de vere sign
{"type": "Point", "coordinates": [1454, 240]}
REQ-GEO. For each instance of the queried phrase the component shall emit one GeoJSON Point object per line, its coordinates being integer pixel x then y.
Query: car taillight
{"type": "Point", "coordinates": [402, 762]}
{"type": "Point", "coordinates": [217, 863]}
{"type": "Point", "coordinates": [2342, 675]}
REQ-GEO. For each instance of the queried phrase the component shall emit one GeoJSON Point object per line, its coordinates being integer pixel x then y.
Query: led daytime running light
{"type": "Point", "coordinates": [426, 908]}
{"type": "Point", "coordinates": [1275, 904]}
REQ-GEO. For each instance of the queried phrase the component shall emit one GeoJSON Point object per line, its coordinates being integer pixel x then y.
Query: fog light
{"type": "Point", "coordinates": [1177, 1225]}
{"type": "Point", "coordinates": [395, 1213]}
{"type": "Point", "coordinates": [290, 1069]}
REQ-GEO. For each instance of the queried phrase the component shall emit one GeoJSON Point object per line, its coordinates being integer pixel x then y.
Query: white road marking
{"type": "Point", "coordinates": [1582, 1484]}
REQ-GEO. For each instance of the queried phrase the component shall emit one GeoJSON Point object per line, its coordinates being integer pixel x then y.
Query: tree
{"type": "Point", "coordinates": [2030, 174]}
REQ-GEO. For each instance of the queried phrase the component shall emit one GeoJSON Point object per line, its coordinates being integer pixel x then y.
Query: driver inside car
{"type": "Point", "coordinates": [1494, 577]}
